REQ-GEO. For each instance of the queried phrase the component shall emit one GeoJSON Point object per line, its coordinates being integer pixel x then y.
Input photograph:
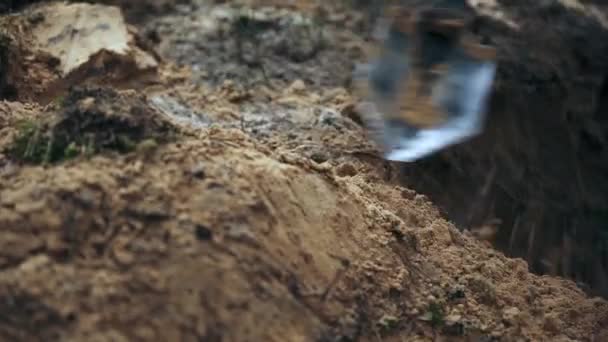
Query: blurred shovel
{"type": "Point", "coordinates": [428, 85]}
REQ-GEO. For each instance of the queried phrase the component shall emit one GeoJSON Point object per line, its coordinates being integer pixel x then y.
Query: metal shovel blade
{"type": "Point", "coordinates": [427, 89]}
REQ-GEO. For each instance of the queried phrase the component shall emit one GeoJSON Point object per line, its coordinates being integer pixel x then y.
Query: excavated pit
{"type": "Point", "coordinates": [535, 182]}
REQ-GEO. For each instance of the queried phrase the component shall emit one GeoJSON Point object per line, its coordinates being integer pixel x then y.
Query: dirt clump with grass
{"type": "Point", "coordinates": [235, 196]}
{"type": "Point", "coordinates": [86, 122]}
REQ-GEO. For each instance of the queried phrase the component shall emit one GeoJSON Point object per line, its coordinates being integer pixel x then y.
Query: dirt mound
{"type": "Point", "coordinates": [261, 213]}
{"type": "Point", "coordinates": [218, 235]}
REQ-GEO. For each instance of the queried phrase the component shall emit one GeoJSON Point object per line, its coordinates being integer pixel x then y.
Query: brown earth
{"type": "Point", "coordinates": [238, 198]}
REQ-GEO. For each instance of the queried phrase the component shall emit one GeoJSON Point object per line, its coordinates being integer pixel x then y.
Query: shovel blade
{"type": "Point", "coordinates": [428, 87]}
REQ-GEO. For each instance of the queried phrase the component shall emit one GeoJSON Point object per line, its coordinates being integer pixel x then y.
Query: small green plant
{"type": "Point", "coordinates": [435, 314]}
{"type": "Point", "coordinates": [59, 100]}
{"type": "Point", "coordinates": [36, 144]}
{"type": "Point", "coordinates": [72, 151]}
{"type": "Point", "coordinates": [39, 143]}
{"type": "Point", "coordinates": [124, 143]}
{"type": "Point", "coordinates": [147, 145]}
{"type": "Point", "coordinates": [30, 144]}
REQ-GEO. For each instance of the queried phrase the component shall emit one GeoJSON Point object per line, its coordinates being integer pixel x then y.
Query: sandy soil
{"type": "Point", "coordinates": [238, 198]}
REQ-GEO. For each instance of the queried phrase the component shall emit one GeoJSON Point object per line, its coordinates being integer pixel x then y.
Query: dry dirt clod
{"type": "Point", "coordinates": [70, 44]}
{"type": "Point", "coordinates": [510, 315]}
